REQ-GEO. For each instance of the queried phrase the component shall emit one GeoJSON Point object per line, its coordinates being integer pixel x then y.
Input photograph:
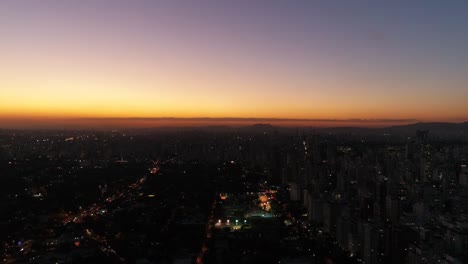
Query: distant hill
{"type": "Point", "coordinates": [435, 126]}
{"type": "Point", "coordinates": [437, 129]}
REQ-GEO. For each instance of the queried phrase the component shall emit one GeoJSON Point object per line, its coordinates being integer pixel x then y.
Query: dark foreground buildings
{"type": "Point", "coordinates": [249, 195]}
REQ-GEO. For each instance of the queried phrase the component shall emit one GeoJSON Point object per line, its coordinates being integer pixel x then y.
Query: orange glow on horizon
{"type": "Point", "coordinates": [38, 87]}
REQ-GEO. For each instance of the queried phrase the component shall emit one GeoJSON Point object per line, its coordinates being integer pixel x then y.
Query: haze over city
{"type": "Point", "coordinates": [380, 62]}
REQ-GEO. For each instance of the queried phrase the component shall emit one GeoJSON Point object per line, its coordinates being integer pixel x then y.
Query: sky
{"type": "Point", "coordinates": [337, 60]}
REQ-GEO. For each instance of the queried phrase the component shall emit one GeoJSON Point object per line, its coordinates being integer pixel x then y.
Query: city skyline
{"type": "Point", "coordinates": [321, 60]}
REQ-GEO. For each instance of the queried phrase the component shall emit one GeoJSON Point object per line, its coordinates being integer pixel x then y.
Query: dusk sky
{"type": "Point", "coordinates": [256, 59]}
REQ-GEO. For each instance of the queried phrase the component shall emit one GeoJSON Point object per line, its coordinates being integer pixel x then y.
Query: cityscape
{"type": "Point", "coordinates": [257, 194]}
{"type": "Point", "coordinates": [233, 132]}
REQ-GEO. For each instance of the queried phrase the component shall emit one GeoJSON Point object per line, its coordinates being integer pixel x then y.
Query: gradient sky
{"type": "Point", "coordinates": [246, 58]}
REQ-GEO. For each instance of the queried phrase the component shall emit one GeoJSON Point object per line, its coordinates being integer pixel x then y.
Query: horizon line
{"type": "Point", "coordinates": [247, 119]}
{"type": "Point", "coordinates": [100, 123]}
